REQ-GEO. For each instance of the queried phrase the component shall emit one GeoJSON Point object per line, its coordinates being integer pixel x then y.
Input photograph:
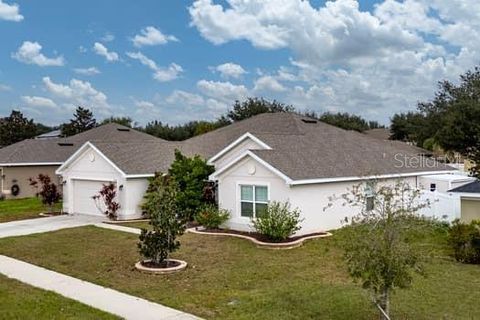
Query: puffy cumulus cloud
{"type": "Point", "coordinates": [222, 91]}
{"type": "Point", "coordinates": [30, 53]}
{"type": "Point", "coordinates": [338, 31]}
{"type": "Point", "coordinates": [35, 101]}
{"type": "Point", "coordinates": [151, 36]}
{"type": "Point", "coordinates": [10, 12]}
{"type": "Point", "coordinates": [373, 63]}
{"type": "Point", "coordinates": [78, 92]}
{"type": "Point", "coordinates": [91, 71]}
{"type": "Point", "coordinates": [268, 84]}
{"type": "Point", "coordinates": [230, 70]}
{"type": "Point", "coordinates": [161, 74]}
{"type": "Point", "coordinates": [101, 50]}
{"type": "Point", "coordinates": [180, 97]}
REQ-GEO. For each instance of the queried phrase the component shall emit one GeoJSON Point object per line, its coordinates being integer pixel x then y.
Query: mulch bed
{"type": "Point", "coordinates": [163, 265]}
{"type": "Point", "coordinates": [261, 237]}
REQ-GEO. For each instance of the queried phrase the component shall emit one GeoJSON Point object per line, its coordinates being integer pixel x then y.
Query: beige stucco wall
{"type": "Point", "coordinates": [310, 199]}
{"type": "Point", "coordinates": [20, 174]}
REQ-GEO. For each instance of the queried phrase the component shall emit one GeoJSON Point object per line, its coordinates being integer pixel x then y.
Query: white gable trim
{"type": "Point", "coordinates": [237, 142]}
{"type": "Point", "coordinates": [25, 164]}
{"type": "Point", "coordinates": [80, 152]}
{"type": "Point", "coordinates": [249, 153]}
{"type": "Point", "coordinates": [292, 182]}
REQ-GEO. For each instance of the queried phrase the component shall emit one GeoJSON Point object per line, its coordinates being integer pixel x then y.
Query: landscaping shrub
{"type": "Point", "coordinates": [211, 217]}
{"type": "Point", "coordinates": [278, 222]}
{"type": "Point", "coordinates": [107, 195]}
{"type": "Point", "coordinates": [161, 206]}
{"type": "Point", "coordinates": [464, 238]}
{"type": "Point", "coordinates": [190, 175]}
{"type": "Point", "coordinates": [47, 190]}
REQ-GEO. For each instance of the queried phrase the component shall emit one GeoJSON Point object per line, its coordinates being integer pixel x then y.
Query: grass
{"type": "Point", "coordinates": [20, 209]}
{"type": "Point", "coordinates": [21, 301]}
{"type": "Point", "coordinates": [230, 278]}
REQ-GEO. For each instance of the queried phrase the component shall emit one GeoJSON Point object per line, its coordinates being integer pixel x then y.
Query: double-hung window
{"type": "Point", "coordinates": [369, 196]}
{"type": "Point", "coordinates": [253, 200]}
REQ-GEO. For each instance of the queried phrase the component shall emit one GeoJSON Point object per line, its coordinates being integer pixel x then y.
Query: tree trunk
{"type": "Point", "coordinates": [385, 304]}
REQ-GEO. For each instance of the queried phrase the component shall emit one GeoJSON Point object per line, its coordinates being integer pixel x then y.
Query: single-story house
{"type": "Point", "coordinates": [469, 195]}
{"type": "Point", "coordinates": [278, 156]}
{"type": "Point", "coordinates": [28, 158]}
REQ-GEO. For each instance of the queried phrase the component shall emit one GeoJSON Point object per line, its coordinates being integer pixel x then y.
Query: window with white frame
{"type": "Point", "coordinates": [253, 200]}
{"type": "Point", "coordinates": [369, 196]}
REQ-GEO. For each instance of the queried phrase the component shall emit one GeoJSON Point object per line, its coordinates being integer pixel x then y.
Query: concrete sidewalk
{"type": "Point", "coordinates": [109, 300]}
{"type": "Point", "coordinates": [39, 225]}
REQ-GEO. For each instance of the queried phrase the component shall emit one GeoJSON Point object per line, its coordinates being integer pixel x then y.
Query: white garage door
{"type": "Point", "coordinates": [83, 191]}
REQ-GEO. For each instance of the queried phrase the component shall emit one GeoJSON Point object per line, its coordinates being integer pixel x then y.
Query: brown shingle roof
{"type": "Point", "coordinates": [60, 149]}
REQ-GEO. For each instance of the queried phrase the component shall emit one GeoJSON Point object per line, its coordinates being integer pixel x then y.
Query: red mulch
{"type": "Point", "coordinates": [261, 237]}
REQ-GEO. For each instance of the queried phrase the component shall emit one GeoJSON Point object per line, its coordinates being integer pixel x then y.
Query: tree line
{"type": "Point", "coordinates": [16, 127]}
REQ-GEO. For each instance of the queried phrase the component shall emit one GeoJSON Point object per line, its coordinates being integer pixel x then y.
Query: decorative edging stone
{"type": "Point", "coordinates": [182, 265]}
{"type": "Point", "coordinates": [268, 245]}
{"type": "Point", "coordinates": [125, 221]}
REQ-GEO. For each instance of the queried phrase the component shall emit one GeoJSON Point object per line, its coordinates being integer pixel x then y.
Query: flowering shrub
{"type": "Point", "coordinates": [46, 190]}
{"type": "Point", "coordinates": [107, 195]}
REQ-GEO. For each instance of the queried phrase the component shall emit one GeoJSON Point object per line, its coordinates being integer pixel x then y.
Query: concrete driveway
{"type": "Point", "coordinates": [39, 225]}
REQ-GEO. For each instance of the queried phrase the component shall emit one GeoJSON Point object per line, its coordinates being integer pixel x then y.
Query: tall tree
{"type": "Point", "coordinates": [16, 127]}
{"type": "Point", "coordinates": [83, 120]}
{"type": "Point", "coordinates": [254, 106]}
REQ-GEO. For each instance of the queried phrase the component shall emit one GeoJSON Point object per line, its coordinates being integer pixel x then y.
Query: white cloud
{"type": "Point", "coordinates": [91, 71]}
{"type": "Point", "coordinates": [4, 87]}
{"type": "Point", "coordinates": [179, 97]}
{"type": "Point", "coordinates": [79, 92]}
{"type": "Point", "coordinates": [372, 63]}
{"type": "Point", "coordinates": [30, 53]}
{"type": "Point", "coordinates": [268, 84]}
{"type": "Point", "coordinates": [161, 74]}
{"type": "Point", "coordinates": [231, 70]}
{"type": "Point", "coordinates": [338, 31]}
{"type": "Point", "coordinates": [151, 36]}
{"type": "Point", "coordinates": [101, 50]}
{"type": "Point", "coordinates": [10, 12]}
{"type": "Point", "coordinates": [35, 101]}
{"type": "Point", "coordinates": [108, 37]}
{"type": "Point", "coordinates": [223, 91]}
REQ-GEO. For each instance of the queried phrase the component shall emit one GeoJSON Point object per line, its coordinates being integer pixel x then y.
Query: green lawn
{"type": "Point", "coordinates": [230, 278]}
{"type": "Point", "coordinates": [20, 209]}
{"type": "Point", "coordinates": [21, 301]}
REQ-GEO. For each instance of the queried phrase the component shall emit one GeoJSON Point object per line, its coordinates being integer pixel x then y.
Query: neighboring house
{"type": "Point", "coordinates": [469, 195]}
{"type": "Point", "coordinates": [280, 156]}
{"type": "Point", "coordinates": [50, 135]}
{"type": "Point", "coordinates": [31, 157]}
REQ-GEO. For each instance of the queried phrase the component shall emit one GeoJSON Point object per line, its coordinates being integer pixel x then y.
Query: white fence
{"type": "Point", "coordinates": [443, 206]}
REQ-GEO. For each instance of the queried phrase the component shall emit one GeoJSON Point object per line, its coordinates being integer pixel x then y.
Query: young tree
{"type": "Point", "coordinates": [254, 106]}
{"type": "Point", "coordinates": [46, 190]}
{"type": "Point", "coordinates": [377, 250]}
{"type": "Point", "coordinates": [190, 175]}
{"type": "Point", "coordinates": [161, 206]}
{"type": "Point", "coordinates": [83, 120]}
{"type": "Point", "coordinates": [16, 127]}
{"type": "Point", "coordinates": [107, 196]}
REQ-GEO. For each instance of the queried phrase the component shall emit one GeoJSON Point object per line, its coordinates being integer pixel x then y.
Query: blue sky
{"type": "Point", "coordinates": [176, 61]}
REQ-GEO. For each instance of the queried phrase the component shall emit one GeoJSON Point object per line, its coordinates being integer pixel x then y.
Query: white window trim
{"type": "Point", "coordinates": [238, 198]}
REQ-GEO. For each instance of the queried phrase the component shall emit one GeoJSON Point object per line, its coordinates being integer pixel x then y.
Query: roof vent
{"type": "Point", "coordinates": [123, 129]}
{"type": "Point", "coordinates": [309, 120]}
{"type": "Point", "coordinates": [65, 144]}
